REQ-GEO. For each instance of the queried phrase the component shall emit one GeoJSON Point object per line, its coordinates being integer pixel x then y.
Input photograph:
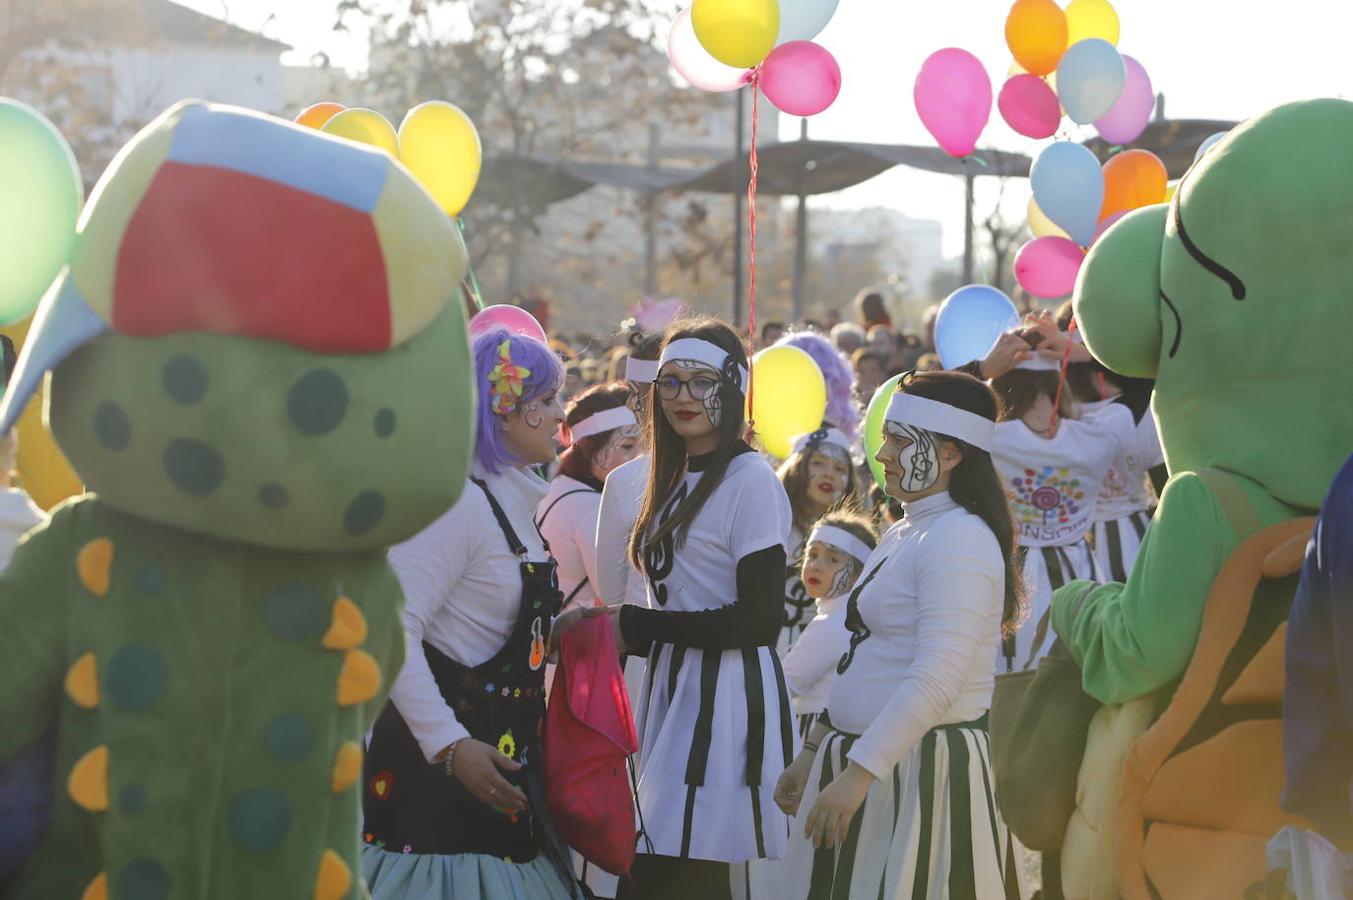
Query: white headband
{"type": "Point", "coordinates": [941, 418]}
{"type": "Point", "coordinates": [641, 370]}
{"type": "Point", "coordinates": [700, 351]}
{"type": "Point", "coordinates": [1037, 362]}
{"type": "Point", "coordinates": [823, 436]}
{"type": "Point", "coordinates": [841, 540]}
{"type": "Point", "coordinates": [606, 420]}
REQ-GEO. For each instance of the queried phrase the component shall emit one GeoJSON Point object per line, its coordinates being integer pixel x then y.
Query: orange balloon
{"type": "Point", "coordinates": [1133, 179]}
{"type": "Point", "coordinates": [316, 114]}
{"type": "Point", "coordinates": [1036, 33]}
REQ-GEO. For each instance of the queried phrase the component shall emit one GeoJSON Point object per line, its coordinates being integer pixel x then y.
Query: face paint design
{"type": "Point", "coordinates": [844, 578]}
{"type": "Point", "coordinates": [532, 415]}
{"type": "Point", "coordinates": [919, 461]}
{"type": "Point", "coordinates": [618, 449]}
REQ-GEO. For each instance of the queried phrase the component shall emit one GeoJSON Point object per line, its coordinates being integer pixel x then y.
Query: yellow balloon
{"type": "Point", "coordinates": [737, 32]}
{"type": "Point", "coordinates": [1091, 19]}
{"type": "Point", "coordinates": [1015, 69]}
{"type": "Point", "coordinates": [43, 470]}
{"type": "Point", "coordinates": [790, 397]}
{"type": "Point", "coordinates": [439, 144]}
{"type": "Point", "coordinates": [1040, 224]}
{"type": "Point", "coordinates": [1169, 191]}
{"type": "Point", "coordinates": [1035, 32]}
{"type": "Point", "coordinates": [365, 126]}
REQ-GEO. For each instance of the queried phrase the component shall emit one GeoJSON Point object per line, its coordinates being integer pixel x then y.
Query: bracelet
{"type": "Point", "coordinates": [449, 761]}
{"type": "Point", "coordinates": [809, 747]}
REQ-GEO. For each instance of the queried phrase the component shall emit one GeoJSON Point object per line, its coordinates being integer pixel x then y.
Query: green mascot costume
{"type": "Point", "coordinates": [1238, 299]}
{"type": "Point", "coordinates": [259, 367]}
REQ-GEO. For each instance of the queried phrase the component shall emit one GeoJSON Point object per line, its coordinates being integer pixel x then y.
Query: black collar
{"type": "Point", "coordinates": [705, 460]}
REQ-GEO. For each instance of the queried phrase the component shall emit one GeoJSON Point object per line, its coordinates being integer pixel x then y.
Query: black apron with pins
{"type": "Point", "coordinates": [413, 806]}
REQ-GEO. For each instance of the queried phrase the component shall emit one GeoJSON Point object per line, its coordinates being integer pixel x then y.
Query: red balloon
{"type": "Point", "coordinates": [1030, 106]}
{"type": "Point", "coordinates": [1046, 267]}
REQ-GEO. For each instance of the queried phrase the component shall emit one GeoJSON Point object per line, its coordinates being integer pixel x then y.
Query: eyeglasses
{"type": "Point", "coordinates": [669, 386]}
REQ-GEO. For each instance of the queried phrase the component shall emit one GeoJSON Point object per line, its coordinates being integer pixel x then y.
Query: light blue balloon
{"type": "Point", "coordinates": [1090, 78]}
{"type": "Point", "coordinates": [1212, 141]}
{"type": "Point", "coordinates": [1068, 186]}
{"type": "Point", "coordinates": [801, 20]}
{"type": "Point", "coordinates": [970, 321]}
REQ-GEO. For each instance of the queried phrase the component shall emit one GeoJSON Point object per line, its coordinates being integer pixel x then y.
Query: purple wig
{"type": "Point", "coordinates": [842, 410]}
{"type": "Point", "coordinates": [547, 375]}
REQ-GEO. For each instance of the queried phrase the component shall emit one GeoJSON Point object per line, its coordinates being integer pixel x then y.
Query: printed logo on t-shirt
{"type": "Point", "coordinates": [1047, 503]}
{"type": "Point", "coordinates": [659, 556]}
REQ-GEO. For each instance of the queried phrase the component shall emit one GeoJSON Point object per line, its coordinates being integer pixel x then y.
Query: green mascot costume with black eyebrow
{"type": "Point", "coordinates": [1238, 299]}
{"type": "Point", "coordinates": [259, 366]}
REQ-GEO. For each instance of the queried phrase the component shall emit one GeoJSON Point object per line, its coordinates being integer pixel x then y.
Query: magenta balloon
{"type": "Point", "coordinates": [1030, 106]}
{"type": "Point", "coordinates": [800, 78]}
{"type": "Point", "coordinates": [513, 318]}
{"type": "Point", "coordinates": [1106, 224]}
{"type": "Point", "coordinates": [1046, 267]}
{"type": "Point", "coordinates": [1128, 117]}
{"type": "Point", "coordinates": [953, 97]}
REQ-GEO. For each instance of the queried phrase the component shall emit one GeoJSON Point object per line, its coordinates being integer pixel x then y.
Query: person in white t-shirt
{"type": "Point", "coordinates": [18, 513]}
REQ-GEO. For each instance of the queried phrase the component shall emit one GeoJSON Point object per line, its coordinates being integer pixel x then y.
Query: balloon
{"type": "Point", "coordinates": [1036, 32]}
{"type": "Point", "coordinates": [737, 32]}
{"type": "Point", "coordinates": [1029, 106]}
{"type": "Point", "coordinates": [439, 144]}
{"type": "Point", "coordinates": [513, 318]}
{"type": "Point", "coordinates": [802, 20]}
{"type": "Point", "coordinates": [873, 425]}
{"type": "Point", "coordinates": [1170, 190]}
{"type": "Point", "coordinates": [40, 197]}
{"type": "Point", "coordinates": [1040, 224]}
{"type": "Point", "coordinates": [694, 63]}
{"type": "Point", "coordinates": [316, 114]}
{"type": "Point", "coordinates": [1106, 225]}
{"type": "Point", "coordinates": [970, 321]}
{"type": "Point", "coordinates": [43, 470]}
{"type": "Point", "coordinates": [1069, 188]}
{"type": "Point", "coordinates": [800, 78]}
{"type": "Point", "coordinates": [953, 98]}
{"type": "Point", "coordinates": [365, 126]}
{"type": "Point", "coordinates": [1211, 141]}
{"type": "Point", "coordinates": [1087, 19]}
{"type": "Point", "coordinates": [1090, 79]}
{"type": "Point", "coordinates": [1127, 118]}
{"type": "Point", "coordinates": [790, 396]}
{"type": "Point", "coordinates": [1046, 267]}
{"type": "Point", "coordinates": [1133, 179]}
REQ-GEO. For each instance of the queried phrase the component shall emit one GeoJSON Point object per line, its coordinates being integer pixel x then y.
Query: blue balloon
{"type": "Point", "coordinates": [1212, 141]}
{"type": "Point", "coordinates": [1089, 79]}
{"type": "Point", "coordinates": [801, 20]}
{"type": "Point", "coordinates": [1068, 186]}
{"type": "Point", "coordinates": [970, 321]}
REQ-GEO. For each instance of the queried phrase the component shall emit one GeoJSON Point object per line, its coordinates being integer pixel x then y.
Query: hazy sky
{"type": "Point", "coordinates": [1212, 59]}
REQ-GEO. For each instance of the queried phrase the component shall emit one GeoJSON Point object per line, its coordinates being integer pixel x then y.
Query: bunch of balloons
{"type": "Point", "coordinates": [722, 45]}
{"type": "Point", "coordinates": [436, 141]}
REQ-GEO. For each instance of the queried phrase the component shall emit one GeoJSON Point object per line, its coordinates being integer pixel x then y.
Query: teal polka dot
{"type": "Point", "coordinates": [193, 467]}
{"type": "Point", "coordinates": [273, 496]}
{"type": "Point", "coordinates": [385, 423]}
{"type": "Point", "coordinates": [185, 379]}
{"type": "Point", "coordinates": [259, 818]}
{"type": "Point", "coordinates": [150, 579]}
{"type": "Point", "coordinates": [364, 513]}
{"type": "Point", "coordinates": [112, 427]}
{"type": "Point", "coordinates": [296, 612]}
{"type": "Point", "coordinates": [131, 800]}
{"type": "Point", "coordinates": [289, 738]}
{"type": "Point", "coordinates": [317, 402]}
{"type": "Point", "coordinates": [136, 676]}
{"type": "Point", "coordinates": [141, 879]}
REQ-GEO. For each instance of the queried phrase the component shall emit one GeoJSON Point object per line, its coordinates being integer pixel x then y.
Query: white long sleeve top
{"type": "Point", "coordinates": [810, 665]}
{"type": "Point", "coordinates": [462, 593]}
{"type": "Point", "coordinates": [571, 529]}
{"type": "Point", "coordinates": [617, 580]}
{"type": "Point", "coordinates": [931, 613]}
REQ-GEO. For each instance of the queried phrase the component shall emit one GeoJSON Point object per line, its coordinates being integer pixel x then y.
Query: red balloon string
{"type": "Point", "coordinates": [751, 259]}
{"type": "Point", "coordinates": [1061, 379]}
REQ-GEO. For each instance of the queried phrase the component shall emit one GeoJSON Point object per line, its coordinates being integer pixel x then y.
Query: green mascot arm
{"type": "Point", "coordinates": [1131, 639]}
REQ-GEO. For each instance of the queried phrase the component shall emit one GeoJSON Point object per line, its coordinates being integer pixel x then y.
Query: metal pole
{"type": "Point", "coordinates": [968, 181]}
{"type": "Point", "coordinates": [651, 220]}
{"type": "Point", "coordinates": [739, 206]}
{"type": "Point", "coordinates": [800, 237]}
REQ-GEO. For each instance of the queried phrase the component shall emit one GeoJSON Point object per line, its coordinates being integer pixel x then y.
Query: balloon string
{"type": "Point", "coordinates": [469, 269]}
{"type": "Point", "coordinates": [751, 258]}
{"type": "Point", "coordinates": [1061, 379]}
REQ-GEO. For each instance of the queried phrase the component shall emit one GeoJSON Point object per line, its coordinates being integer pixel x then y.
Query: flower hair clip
{"type": "Point", "coordinates": [506, 380]}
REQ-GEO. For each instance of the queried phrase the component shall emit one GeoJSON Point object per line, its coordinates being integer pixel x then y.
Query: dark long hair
{"type": "Point", "coordinates": [974, 484]}
{"type": "Point", "coordinates": [794, 476]}
{"type": "Point", "coordinates": [668, 449]}
{"type": "Point", "coordinates": [576, 461]}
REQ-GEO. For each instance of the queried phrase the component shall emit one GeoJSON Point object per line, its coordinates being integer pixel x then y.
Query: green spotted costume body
{"type": "Point", "coordinates": [259, 366]}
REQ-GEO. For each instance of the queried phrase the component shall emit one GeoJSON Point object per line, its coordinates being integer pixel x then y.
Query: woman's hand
{"type": "Point", "coordinates": [829, 819]}
{"type": "Point", "coordinates": [789, 789]}
{"type": "Point", "coordinates": [568, 620]}
{"type": "Point", "coordinates": [476, 765]}
{"type": "Point", "coordinates": [1010, 351]}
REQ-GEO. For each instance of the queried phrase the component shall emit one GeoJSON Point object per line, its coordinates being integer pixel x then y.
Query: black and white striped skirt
{"type": "Point", "coordinates": [931, 831]}
{"type": "Point", "coordinates": [1117, 543]}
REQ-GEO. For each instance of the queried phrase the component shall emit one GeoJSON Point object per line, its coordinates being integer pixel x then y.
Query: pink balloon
{"type": "Point", "coordinates": [953, 97]}
{"type": "Point", "coordinates": [1127, 118]}
{"type": "Point", "coordinates": [513, 318]}
{"type": "Point", "coordinates": [800, 78]}
{"type": "Point", "coordinates": [1030, 106]}
{"type": "Point", "coordinates": [1046, 267]}
{"type": "Point", "coordinates": [693, 62]}
{"type": "Point", "coordinates": [1104, 226]}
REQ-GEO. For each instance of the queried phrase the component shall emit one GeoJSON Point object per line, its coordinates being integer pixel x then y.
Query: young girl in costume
{"type": "Point", "coordinates": [454, 801]}
{"type": "Point", "coordinates": [714, 722]}
{"type": "Point", "coordinates": [818, 477]}
{"type": "Point", "coordinates": [892, 792]}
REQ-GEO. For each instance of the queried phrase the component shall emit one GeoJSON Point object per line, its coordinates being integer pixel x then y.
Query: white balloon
{"type": "Point", "coordinates": [693, 62]}
{"type": "Point", "coordinates": [801, 20]}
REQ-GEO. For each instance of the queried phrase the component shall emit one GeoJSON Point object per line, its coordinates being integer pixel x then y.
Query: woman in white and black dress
{"type": "Point", "coordinates": [892, 791]}
{"type": "Point", "coordinates": [714, 721]}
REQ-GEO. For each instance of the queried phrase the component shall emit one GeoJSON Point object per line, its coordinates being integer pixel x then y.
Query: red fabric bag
{"type": "Point", "coordinates": [589, 736]}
